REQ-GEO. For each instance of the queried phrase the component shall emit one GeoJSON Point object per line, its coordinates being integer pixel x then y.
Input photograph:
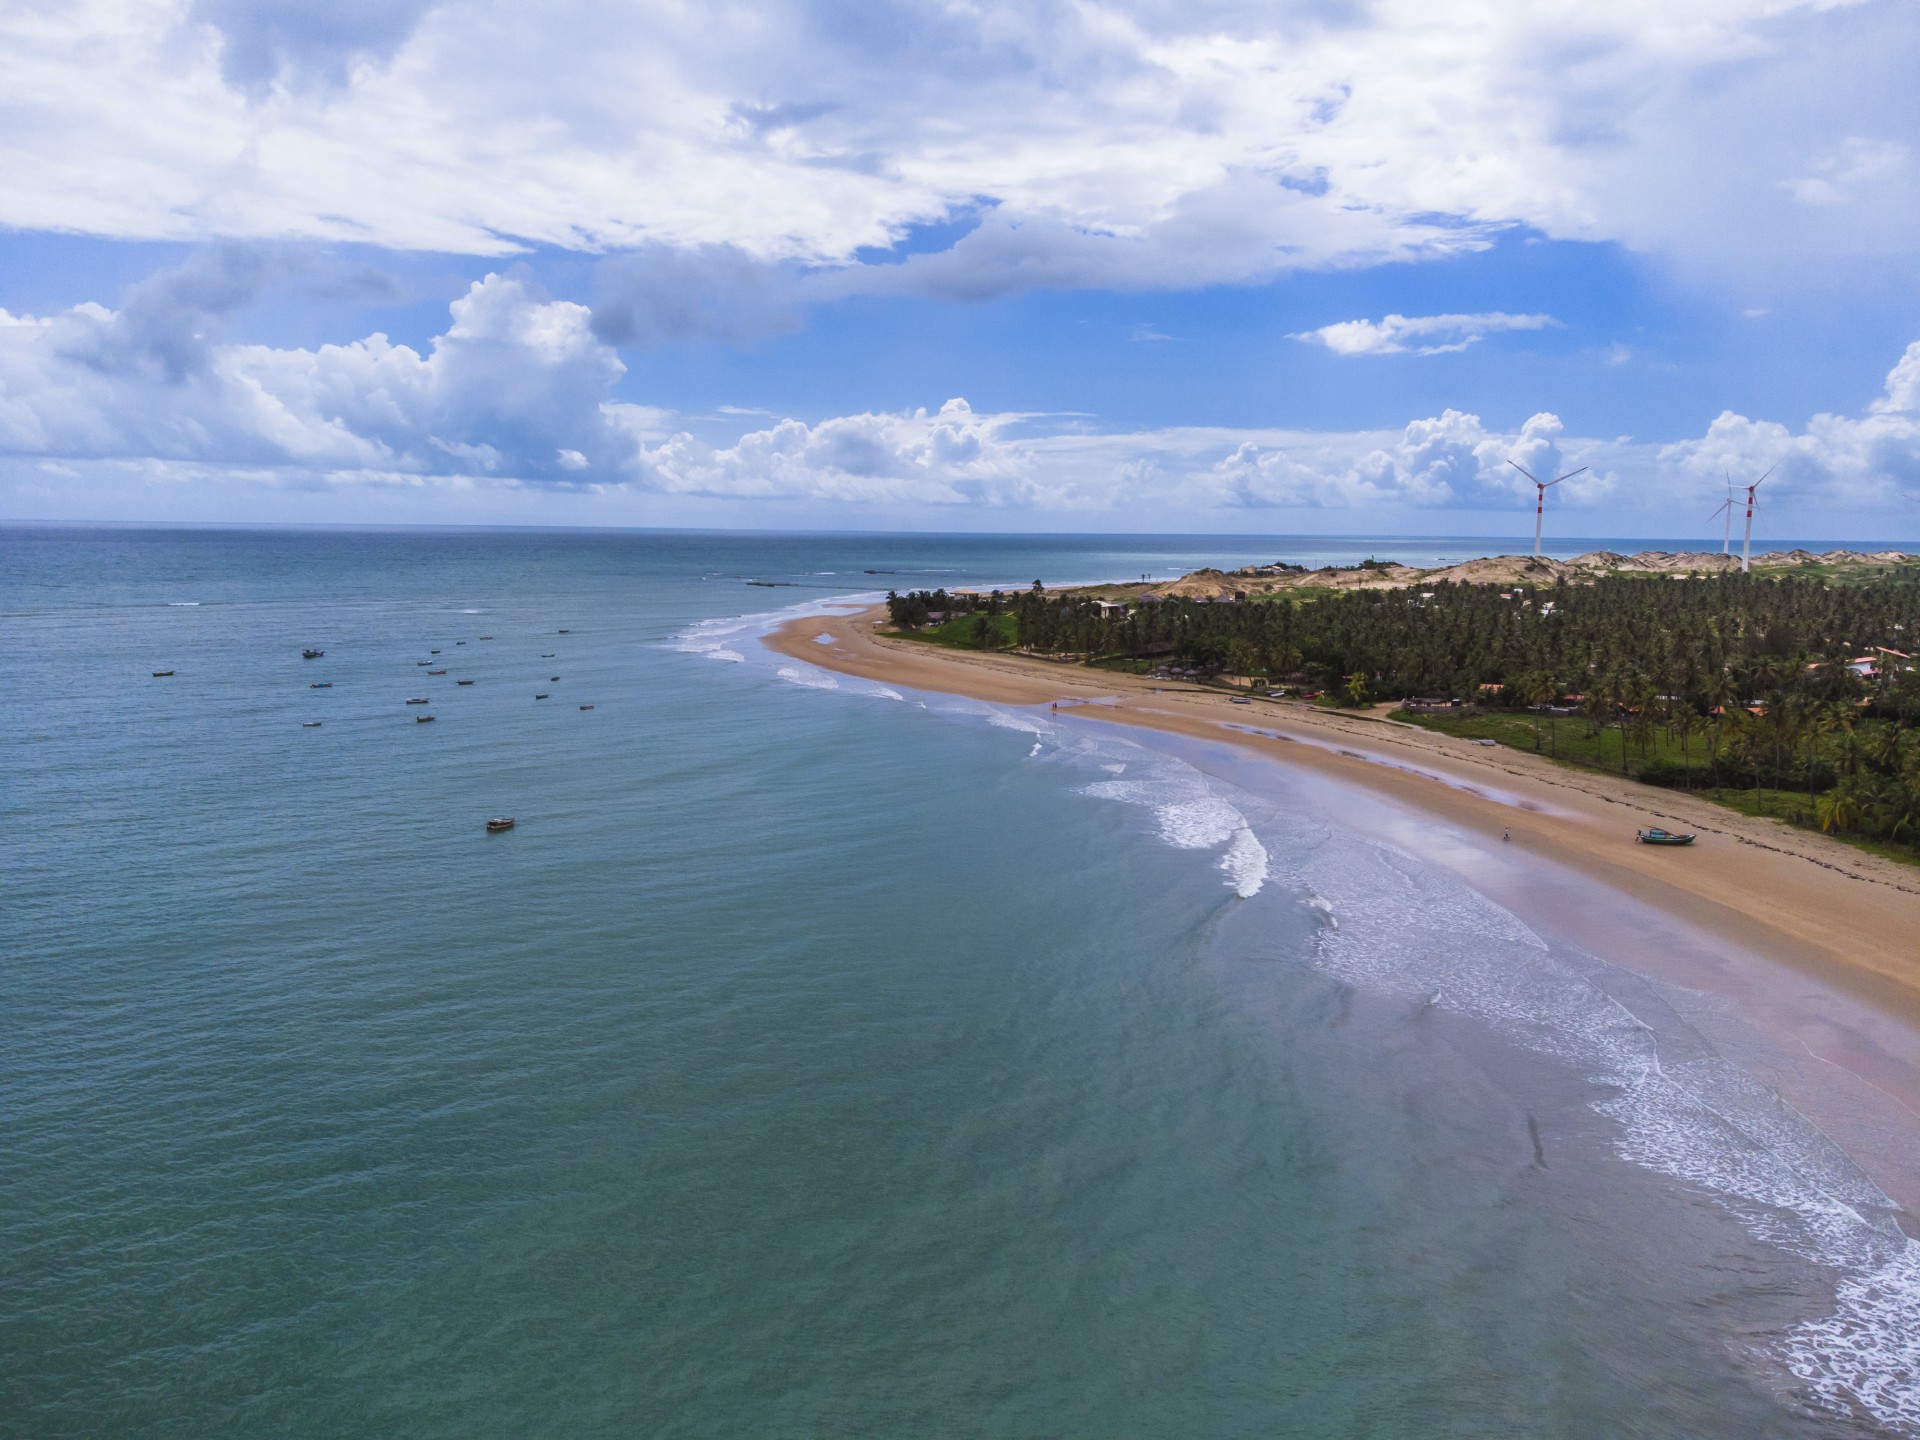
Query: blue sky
{"type": "Point", "coordinates": [1106, 265]}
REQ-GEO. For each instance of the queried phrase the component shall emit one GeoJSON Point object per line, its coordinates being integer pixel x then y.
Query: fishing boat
{"type": "Point", "coordinates": [309, 724]}
{"type": "Point", "coordinates": [1661, 837]}
{"type": "Point", "coordinates": [463, 682]}
{"type": "Point", "coordinates": [486, 637]}
{"type": "Point", "coordinates": [586, 707]}
{"type": "Point", "coordinates": [418, 700]}
{"type": "Point", "coordinates": [423, 662]}
{"type": "Point", "coordinates": [312, 685]}
{"type": "Point", "coordinates": [433, 652]}
{"type": "Point", "coordinates": [551, 679]}
{"type": "Point", "coordinates": [423, 719]}
{"type": "Point", "coordinates": [161, 674]}
{"type": "Point", "coordinates": [311, 654]}
{"type": "Point", "coordinates": [436, 672]}
{"type": "Point", "coordinates": [546, 654]}
{"type": "Point", "coordinates": [540, 697]}
{"type": "Point", "coordinates": [504, 822]}
{"type": "Point", "coordinates": [563, 632]}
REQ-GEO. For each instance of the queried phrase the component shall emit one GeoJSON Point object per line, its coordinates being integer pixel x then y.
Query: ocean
{"type": "Point", "coordinates": [815, 1057]}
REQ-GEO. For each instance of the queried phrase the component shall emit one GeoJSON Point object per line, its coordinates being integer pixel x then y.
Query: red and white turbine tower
{"type": "Point", "coordinates": [1746, 544]}
{"type": "Point", "coordinates": [1540, 497]}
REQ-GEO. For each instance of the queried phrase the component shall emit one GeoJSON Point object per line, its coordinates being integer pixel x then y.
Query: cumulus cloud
{"type": "Point", "coordinates": [1418, 334]}
{"type": "Point", "coordinates": [517, 386]}
{"type": "Point", "coordinates": [1115, 143]}
{"type": "Point", "coordinates": [520, 393]}
{"type": "Point", "coordinates": [1864, 460]}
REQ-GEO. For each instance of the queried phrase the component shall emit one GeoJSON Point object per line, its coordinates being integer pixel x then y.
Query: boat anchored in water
{"type": "Point", "coordinates": [161, 674]}
{"type": "Point", "coordinates": [418, 700]}
{"type": "Point", "coordinates": [504, 822]}
{"type": "Point", "coordinates": [423, 719]}
{"type": "Point", "coordinates": [311, 654]}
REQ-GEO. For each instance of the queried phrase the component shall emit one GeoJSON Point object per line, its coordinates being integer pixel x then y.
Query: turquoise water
{"type": "Point", "coordinates": [813, 1059]}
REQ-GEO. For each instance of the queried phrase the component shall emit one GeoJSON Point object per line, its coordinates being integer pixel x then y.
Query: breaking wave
{"type": "Point", "coordinates": [1683, 1110]}
{"type": "Point", "coordinates": [1190, 815]}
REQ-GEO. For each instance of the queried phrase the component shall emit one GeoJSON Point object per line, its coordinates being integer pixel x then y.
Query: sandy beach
{"type": "Point", "coordinates": [1837, 916]}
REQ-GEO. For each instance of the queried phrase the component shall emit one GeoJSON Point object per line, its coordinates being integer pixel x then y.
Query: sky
{"type": "Point", "coordinates": [1327, 267]}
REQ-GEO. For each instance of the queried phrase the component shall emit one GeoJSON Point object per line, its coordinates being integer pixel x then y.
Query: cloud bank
{"type": "Point", "coordinates": [1097, 143]}
{"type": "Point", "coordinates": [520, 393]}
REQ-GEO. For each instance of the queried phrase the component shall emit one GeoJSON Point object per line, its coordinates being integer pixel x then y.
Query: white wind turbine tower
{"type": "Point", "coordinates": [1746, 545]}
{"type": "Point", "coordinates": [1540, 497]}
{"type": "Point", "coordinates": [1725, 507]}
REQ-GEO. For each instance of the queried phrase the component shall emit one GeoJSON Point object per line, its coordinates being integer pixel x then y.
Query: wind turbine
{"type": "Point", "coordinates": [1725, 507]}
{"type": "Point", "coordinates": [1746, 544]}
{"type": "Point", "coordinates": [1540, 498]}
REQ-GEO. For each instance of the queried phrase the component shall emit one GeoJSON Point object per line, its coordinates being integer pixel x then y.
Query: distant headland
{"type": "Point", "coordinates": [1534, 570]}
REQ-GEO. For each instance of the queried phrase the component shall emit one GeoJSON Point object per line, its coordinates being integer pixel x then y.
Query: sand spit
{"type": "Point", "coordinates": [1802, 898]}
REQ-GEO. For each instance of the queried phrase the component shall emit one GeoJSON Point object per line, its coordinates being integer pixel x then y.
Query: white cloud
{"type": "Point", "coordinates": [1836, 178]}
{"type": "Point", "coordinates": [1838, 460]}
{"type": "Point", "coordinates": [1115, 143]}
{"type": "Point", "coordinates": [519, 396]}
{"type": "Point", "coordinates": [1419, 334]}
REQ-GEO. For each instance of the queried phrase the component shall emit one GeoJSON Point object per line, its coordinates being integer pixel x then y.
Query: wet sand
{"type": "Point", "coordinates": [1821, 914]}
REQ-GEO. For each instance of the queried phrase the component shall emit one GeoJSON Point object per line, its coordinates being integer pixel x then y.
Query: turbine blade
{"type": "Point", "coordinates": [1524, 471]}
{"type": "Point", "coordinates": [1569, 475]}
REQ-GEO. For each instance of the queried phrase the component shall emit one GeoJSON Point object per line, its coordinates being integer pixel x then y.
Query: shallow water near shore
{"type": "Point", "coordinates": [814, 1057]}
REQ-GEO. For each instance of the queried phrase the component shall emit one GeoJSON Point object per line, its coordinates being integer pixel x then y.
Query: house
{"type": "Point", "coordinates": [1109, 608]}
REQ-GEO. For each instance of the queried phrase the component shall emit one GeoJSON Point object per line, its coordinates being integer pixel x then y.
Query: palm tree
{"type": "Point", "coordinates": [1537, 688]}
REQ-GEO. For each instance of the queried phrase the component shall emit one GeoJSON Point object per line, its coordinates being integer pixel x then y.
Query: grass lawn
{"type": "Point", "coordinates": [961, 632]}
{"type": "Point", "coordinates": [1566, 738]}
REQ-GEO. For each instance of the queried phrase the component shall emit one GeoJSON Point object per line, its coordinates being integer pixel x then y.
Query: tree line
{"type": "Point", "coordinates": [1750, 678]}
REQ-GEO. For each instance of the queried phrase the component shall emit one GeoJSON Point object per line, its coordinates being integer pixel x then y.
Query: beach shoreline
{"type": "Point", "coordinates": [1843, 919]}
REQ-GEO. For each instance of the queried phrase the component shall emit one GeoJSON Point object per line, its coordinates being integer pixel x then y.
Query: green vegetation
{"type": "Point", "coordinates": [1734, 684]}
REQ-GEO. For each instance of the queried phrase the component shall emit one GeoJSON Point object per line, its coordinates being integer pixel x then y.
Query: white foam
{"type": "Point", "coordinates": [823, 638]}
{"type": "Point", "coordinates": [809, 679]}
{"type": "Point", "coordinates": [1191, 816]}
{"type": "Point", "coordinates": [713, 639]}
{"type": "Point", "coordinates": [1007, 720]}
{"type": "Point", "coordinates": [184, 604]}
{"type": "Point", "coordinates": [1683, 1109]}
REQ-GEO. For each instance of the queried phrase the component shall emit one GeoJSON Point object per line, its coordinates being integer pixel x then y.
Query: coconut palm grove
{"type": "Point", "coordinates": [1796, 696]}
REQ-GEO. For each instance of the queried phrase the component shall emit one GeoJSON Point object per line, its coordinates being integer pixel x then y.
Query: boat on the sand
{"type": "Point", "coordinates": [1661, 837]}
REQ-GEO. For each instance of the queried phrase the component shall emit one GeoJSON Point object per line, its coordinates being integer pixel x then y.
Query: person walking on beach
{"type": "Point", "coordinates": [1506, 834]}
